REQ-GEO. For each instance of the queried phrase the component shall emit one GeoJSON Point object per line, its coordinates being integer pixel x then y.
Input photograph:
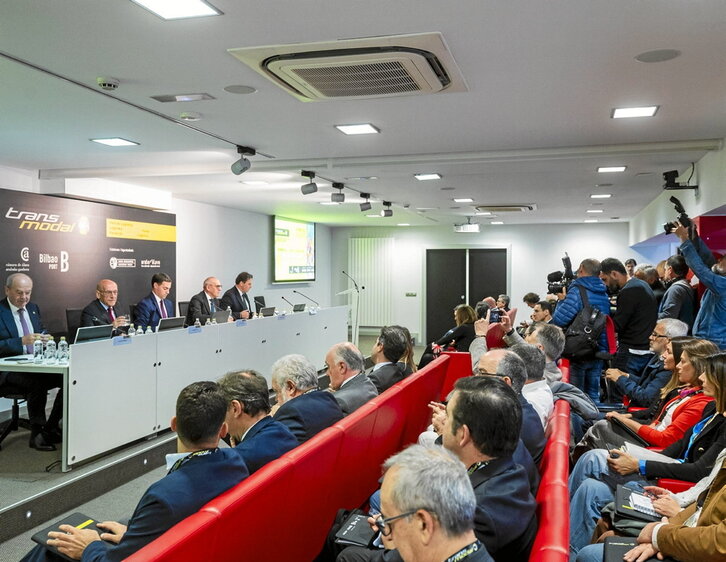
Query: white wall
{"type": "Point", "coordinates": [534, 251]}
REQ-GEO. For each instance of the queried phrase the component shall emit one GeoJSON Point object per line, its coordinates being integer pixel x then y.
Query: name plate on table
{"type": "Point", "coordinates": [282, 316]}
{"type": "Point", "coordinates": [239, 323]}
{"type": "Point", "coordinates": [121, 340]}
{"type": "Point", "coordinates": [194, 330]}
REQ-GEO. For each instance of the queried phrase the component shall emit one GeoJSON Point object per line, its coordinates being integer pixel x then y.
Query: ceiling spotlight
{"type": "Point", "coordinates": [340, 196]}
{"type": "Point", "coordinates": [425, 177]}
{"type": "Point", "coordinates": [311, 187]}
{"type": "Point", "coordinates": [388, 212]}
{"type": "Point", "coordinates": [242, 165]}
{"type": "Point", "coordinates": [367, 205]}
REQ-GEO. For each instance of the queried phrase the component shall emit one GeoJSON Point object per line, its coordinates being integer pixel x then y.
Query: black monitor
{"type": "Point", "coordinates": [171, 323]}
{"type": "Point", "coordinates": [92, 333]}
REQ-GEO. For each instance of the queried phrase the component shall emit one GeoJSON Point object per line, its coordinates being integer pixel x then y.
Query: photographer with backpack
{"type": "Point", "coordinates": [584, 344]}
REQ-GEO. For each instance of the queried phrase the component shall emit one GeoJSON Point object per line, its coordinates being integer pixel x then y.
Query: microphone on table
{"type": "Point", "coordinates": [354, 282]}
{"type": "Point", "coordinates": [288, 302]}
{"type": "Point", "coordinates": [306, 297]}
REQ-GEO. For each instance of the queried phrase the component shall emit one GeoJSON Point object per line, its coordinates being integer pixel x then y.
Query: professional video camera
{"type": "Point", "coordinates": [557, 281]}
{"type": "Point", "coordinates": [669, 227]}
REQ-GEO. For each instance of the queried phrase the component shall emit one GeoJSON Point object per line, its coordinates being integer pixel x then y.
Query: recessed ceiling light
{"type": "Point", "coordinates": [659, 55]}
{"type": "Point", "coordinates": [178, 9]}
{"type": "Point", "coordinates": [426, 208]}
{"type": "Point", "coordinates": [496, 222]}
{"type": "Point", "coordinates": [643, 174]}
{"type": "Point", "coordinates": [377, 216]}
{"type": "Point", "coordinates": [424, 177]}
{"type": "Point", "coordinates": [590, 220]}
{"type": "Point", "coordinates": [463, 200]}
{"type": "Point", "coordinates": [403, 224]}
{"type": "Point", "coordinates": [594, 210]}
{"type": "Point", "coordinates": [253, 182]}
{"type": "Point", "coordinates": [361, 129]}
{"type": "Point", "coordinates": [170, 98]}
{"type": "Point", "coordinates": [483, 213]}
{"type": "Point", "coordinates": [329, 203]}
{"type": "Point", "coordinates": [626, 112]}
{"type": "Point", "coordinates": [600, 196]}
{"type": "Point", "coordinates": [609, 169]}
{"type": "Point", "coordinates": [115, 141]}
{"type": "Point", "coordinates": [363, 178]}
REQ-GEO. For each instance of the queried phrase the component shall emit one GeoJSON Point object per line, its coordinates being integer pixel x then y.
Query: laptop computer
{"type": "Point", "coordinates": [298, 307]}
{"type": "Point", "coordinates": [221, 316]}
{"type": "Point", "coordinates": [259, 303]}
{"type": "Point", "coordinates": [267, 311]}
{"type": "Point", "coordinates": [93, 333]}
{"type": "Point", "coordinates": [170, 323]}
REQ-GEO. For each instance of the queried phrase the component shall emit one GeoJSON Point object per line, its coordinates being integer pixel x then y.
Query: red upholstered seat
{"type": "Point", "coordinates": [673, 485]}
{"type": "Point", "coordinates": [495, 336]}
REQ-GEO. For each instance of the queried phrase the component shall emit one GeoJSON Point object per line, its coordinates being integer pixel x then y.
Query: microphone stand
{"type": "Point", "coordinates": [355, 316]}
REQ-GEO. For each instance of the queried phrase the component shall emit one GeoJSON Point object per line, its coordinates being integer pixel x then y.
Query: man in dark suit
{"type": "Point", "coordinates": [20, 323]}
{"type": "Point", "coordinates": [236, 299]}
{"type": "Point", "coordinates": [388, 349]}
{"type": "Point", "coordinates": [102, 310]}
{"type": "Point", "coordinates": [204, 304]}
{"type": "Point", "coordinates": [304, 409]}
{"type": "Point", "coordinates": [349, 384]}
{"type": "Point", "coordinates": [198, 473]}
{"type": "Point", "coordinates": [155, 305]}
{"type": "Point", "coordinates": [253, 433]}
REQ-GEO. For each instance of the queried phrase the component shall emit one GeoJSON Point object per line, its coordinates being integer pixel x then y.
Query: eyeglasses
{"type": "Point", "coordinates": [656, 335]}
{"type": "Point", "coordinates": [482, 373]}
{"type": "Point", "coordinates": [383, 525]}
{"type": "Point", "coordinates": [109, 292]}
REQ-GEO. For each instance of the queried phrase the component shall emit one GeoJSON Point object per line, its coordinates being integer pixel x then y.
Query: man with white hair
{"type": "Point", "coordinates": [304, 409]}
{"type": "Point", "coordinates": [428, 506]}
{"type": "Point", "coordinates": [348, 382]}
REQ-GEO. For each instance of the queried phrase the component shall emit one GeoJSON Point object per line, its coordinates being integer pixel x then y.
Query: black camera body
{"type": "Point", "coordinates": [558, 281]}
{"type": "Point", "coordinates": [669, 227]}
{"type": "Point", "coordinates": [495, 315]}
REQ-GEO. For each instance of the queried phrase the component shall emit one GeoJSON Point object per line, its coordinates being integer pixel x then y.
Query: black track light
{"type": "Point", "coordinates": [340, 196]}
{"type": "Point", "coordinates": [388, 212]}
{"type": "Point", "coordinates": [242, 165]}
{"type": "Point", "coordinates": [310, 187]}
{"type": "Point", "coordinates": [367, 205]}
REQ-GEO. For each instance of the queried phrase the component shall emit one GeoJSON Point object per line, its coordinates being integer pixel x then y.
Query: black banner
{"type": "Point", "coordinates": [66, 246]}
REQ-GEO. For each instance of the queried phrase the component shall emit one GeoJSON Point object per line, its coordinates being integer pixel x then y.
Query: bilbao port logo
{"type": "Point", "coordinates": [49, 222]}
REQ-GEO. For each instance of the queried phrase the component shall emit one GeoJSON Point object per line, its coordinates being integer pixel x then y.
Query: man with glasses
{"type": "Point", "coordinates": [102, 310]}
{"type": "Point", "coordinates": [205, 303]}
{"type": "Point", "coordinates": [642, 390]}
{"type": "Point", "coordinates": [482, 428]}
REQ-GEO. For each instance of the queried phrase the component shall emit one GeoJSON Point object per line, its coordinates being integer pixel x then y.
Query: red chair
{"type": "Point", "coordinates": [512, 313]}
{"type": "Point", "coordinates": [610, 333]}
{"type": "Point", "coordinates": [673, 485]}
{"type": "Point", "coordinates": [459, 366]}
{"type": "Point", "coordinates": [495, 336]}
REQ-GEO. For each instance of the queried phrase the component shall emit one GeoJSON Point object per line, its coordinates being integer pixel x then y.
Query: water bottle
{"type": "Point", "coordinates": [132, 331]}
{"type": "Point", "coordinates": [197, 323]}
{"type": "Point", "coordinates": [229, 317]}
{"type": "Point", "coordinates": [50, 352]}
{"type": "Point", "coordinates": [63, 351]}
{"type": "Point", "coordinates": [149, 330]}
{"type": "Point", "coordinates": [208, 322]}
{"type": "Point", "coordinates": [38, 350]}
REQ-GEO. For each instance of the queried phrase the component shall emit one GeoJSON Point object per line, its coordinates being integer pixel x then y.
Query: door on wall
{"type": "Point", "coordinates": [460, 276]}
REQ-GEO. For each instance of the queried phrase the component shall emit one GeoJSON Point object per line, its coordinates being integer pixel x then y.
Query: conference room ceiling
{"type": "Point", "coordinates": [533, 124]}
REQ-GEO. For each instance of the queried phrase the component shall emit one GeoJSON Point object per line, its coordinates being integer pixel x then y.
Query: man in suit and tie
{"type": "Point", "coordinates": [204, 304]}
{"type": "Point", "coordinates": [20, 323]}
{"type": "Point", "coordinates": [155, 306]}
{"type": "Point", "coordinates": [103, 309]}
{"type": "Point", "coordinates": [388, 349]}
{"type": "Point", "coordinates": [237, 299]}
{"type": "Point", "coordinates": [349, 384]}
{"type": "Point", "coordinates": [305, 409]}
{"type": "Point", "coordinates": [257, 437]}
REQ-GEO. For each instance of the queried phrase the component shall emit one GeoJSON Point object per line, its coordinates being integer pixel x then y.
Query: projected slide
{"type": "Point", "coordinates": [294, 250]}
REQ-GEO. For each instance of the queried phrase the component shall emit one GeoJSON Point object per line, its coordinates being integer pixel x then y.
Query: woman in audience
{"type": "Point", "coordinates": [406, 361]}
{"type": "Point", "coordinates": [597, 473]}
{"type": "Point", "coordinates": [503, 302]}
{"type": "Point", "coordinates": [458, 337]}
{"type": "Point", "coordinates": [681, 405]}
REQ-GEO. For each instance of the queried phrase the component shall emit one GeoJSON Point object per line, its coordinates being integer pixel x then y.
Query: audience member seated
{"type": "Point", "coordinates": [304, 409]}
{"type": "Point", "coordinates": [680, 300]}
{"type": "Point", "coordinates": [199, 472]}
{"type": "Point", "coordinates": [642, 390]}
{"type": "Point", "coordinates": [596, 474]}
{"type": "Point", "coordinates": [387, 351]}
{"type": "Point", "coordinates": [536, 390]}
{"type": "Point", "coordinates": [428, 494]}
{"type": "Point", "coordinates": [406, 363]}
{"type": "Point", "coordinates": [257, 437]}
{"type": "Point", "coordinates": [482, 428]}
{"type": "Point", "coordinates": [695, 534]}
{"type": "Point", "coordinates": [503, 302]}
{"type": "Point", "coordinates": [459, 337]}
{"type": "Point", "coordinates": [531, 299]}
{"type": "Point", "coordinates": [348, 381]}
{"type": "Point", "coordinates": [681, 406]}
{"type": "Point", "coordinates": [710, 321]}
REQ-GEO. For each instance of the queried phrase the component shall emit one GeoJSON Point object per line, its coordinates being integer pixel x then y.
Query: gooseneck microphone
{"type": "Point", "coordinates": [288, 302]}
{"type": "Point", "coordinates": [354, 282]}
{"type": "Point", "coordinates": [306, 297]}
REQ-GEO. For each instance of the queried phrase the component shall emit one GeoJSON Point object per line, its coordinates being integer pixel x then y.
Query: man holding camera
{"type": "Point", "coordinates": [585, 373]}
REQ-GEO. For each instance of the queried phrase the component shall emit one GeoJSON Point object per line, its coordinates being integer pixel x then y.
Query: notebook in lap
{"type": "Point", "coordinates": [77, 520]}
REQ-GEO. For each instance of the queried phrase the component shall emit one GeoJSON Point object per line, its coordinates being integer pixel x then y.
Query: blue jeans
{"type": "Point", "coordinates": [585, 375]}
{"type": "Point", "coordinates": [592, 553]}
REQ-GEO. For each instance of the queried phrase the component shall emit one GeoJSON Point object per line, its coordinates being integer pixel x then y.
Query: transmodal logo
{"type": "Point", "coordinates": [30, 220]}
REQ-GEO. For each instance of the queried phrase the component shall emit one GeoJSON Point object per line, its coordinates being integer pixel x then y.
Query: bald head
{"type": "Point", "coordinates": [18, 288]}
{"type": "Point", "coordinates": [107, 292]}
{"type": "Point", "coordinates": [212, 287]}
{"type": "Point", "coordinates": [505, 364]}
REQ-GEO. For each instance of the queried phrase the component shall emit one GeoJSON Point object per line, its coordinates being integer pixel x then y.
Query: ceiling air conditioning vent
{"type": "Point", "coordinates": [358, 68]}
{"type": "Point", "coordinates": [506, 208]}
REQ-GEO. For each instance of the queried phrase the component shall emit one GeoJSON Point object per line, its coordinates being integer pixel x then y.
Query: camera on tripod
{"type": "Point", "coordinates": [669, 227]}
{"type": "Point", "coordinates": [558, 281]}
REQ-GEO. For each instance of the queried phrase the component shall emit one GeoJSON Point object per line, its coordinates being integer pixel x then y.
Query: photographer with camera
{"type": "Point", "coordinates": [710, 321]}
{"type": "Point", "coordinates": [584, 373]}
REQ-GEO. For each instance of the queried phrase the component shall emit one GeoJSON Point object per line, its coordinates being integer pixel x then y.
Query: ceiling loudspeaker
{"type": "Point", "coordinates": [374, 67]}
{"type": "Point", "coordinates": [512, 208]}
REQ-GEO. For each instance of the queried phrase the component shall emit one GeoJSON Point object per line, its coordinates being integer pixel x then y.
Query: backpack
{"type": "Point", "coordinates": [582, 336]}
